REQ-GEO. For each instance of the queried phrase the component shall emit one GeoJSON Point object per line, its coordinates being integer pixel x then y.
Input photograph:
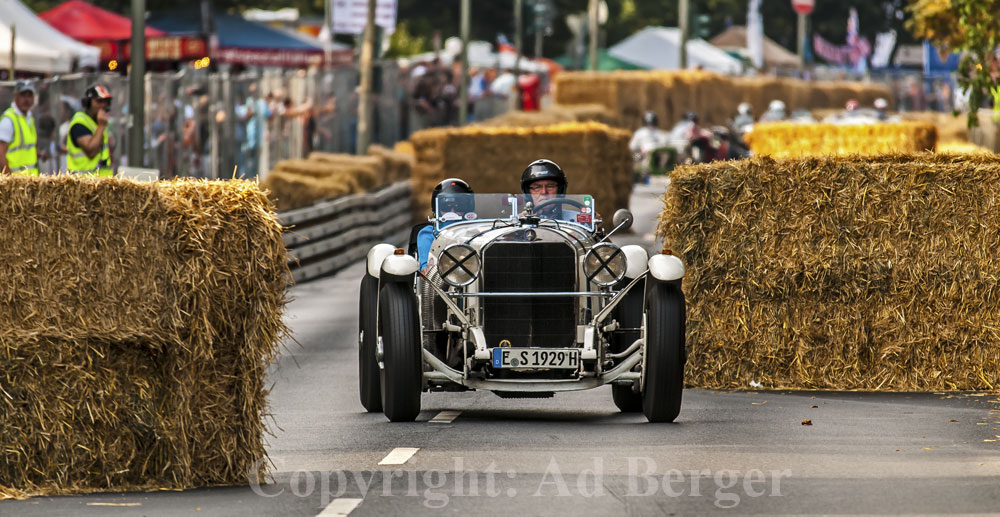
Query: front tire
{"type": "Point", "coordinates": [402, 374]}
{"type": "Point", "coordinates": [664, 369]}
{"type": "Point", "coordinates": [370, 385]}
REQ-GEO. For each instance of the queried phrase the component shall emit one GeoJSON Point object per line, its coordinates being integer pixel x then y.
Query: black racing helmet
{"type": "Point", "coordinates": [96, 91]}
{"type": "Point", "coordinates": [649, 118]}
{"type": "Point", "coordinates": [543, 170]}
{"type": "Point", "coordinates": [691, 116]}
{"type": "Point", "coordinates": [451, 186]}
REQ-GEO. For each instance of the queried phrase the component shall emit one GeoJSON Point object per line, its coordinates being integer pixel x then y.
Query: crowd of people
{"type": "Point", "coordinates": [430, 90]}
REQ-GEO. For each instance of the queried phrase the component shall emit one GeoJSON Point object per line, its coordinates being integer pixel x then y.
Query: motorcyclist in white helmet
{"type": "Point", "coordinates": [646, 140]}
{"type": "Point", "coordinates": [744, 118]}
{"type": "Point", "coordinates": [882, 107]}
{"type": "Point", "coordinates": [775, 112]}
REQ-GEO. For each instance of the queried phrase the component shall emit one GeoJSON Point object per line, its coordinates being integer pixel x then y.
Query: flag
{"type": "Point", "coordinates": [858, 47]}
{"type": "Point", "coordinates": [884, 43]}
{"type": "Point", "coordinates": [503, 45]}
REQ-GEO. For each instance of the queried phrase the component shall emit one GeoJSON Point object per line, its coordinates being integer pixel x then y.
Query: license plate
{"type": "Point", "coordinates": [536, 358]}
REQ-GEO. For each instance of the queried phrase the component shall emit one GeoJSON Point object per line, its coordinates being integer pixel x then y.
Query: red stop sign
{"type": "Point", "coordinates": [803, 7]}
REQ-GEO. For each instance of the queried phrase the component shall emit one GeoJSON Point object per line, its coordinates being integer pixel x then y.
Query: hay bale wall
{"type": "Point", "coordinates": [595, 158]}
{"type": "Point", "coordinates": [555, 114]}
{"type": "Point", "coordinates": [784, 139]}
{"type": "Point", "coordinates": [298, 183]}
{"type": "Point", "coordinates": [715, 97]}
{"type": "Point", "coordinates": [138, 320]}
{"type": "Point", "coordinates": [869, 273]}
{"type": "Point", "coordinates": [949, 127]}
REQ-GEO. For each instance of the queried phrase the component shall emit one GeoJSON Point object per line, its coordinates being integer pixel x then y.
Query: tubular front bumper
{"type": "Point", "coordinates": [443, 373]}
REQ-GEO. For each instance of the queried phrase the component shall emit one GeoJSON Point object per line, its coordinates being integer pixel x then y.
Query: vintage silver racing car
{"type": "Point", "coordinates": [523, 300]}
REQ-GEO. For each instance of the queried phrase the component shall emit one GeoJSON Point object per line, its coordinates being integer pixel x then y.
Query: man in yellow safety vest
{"type": "Point", "coordinates": [87, 141]}
{"type": "Point", "coordinates": [17, 133]}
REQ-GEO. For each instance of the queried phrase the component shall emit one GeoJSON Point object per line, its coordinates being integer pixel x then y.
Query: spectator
{"type": "Point", "coordinates": [89, 141]}
{"type": "Point", "coordinates": [326, 116]}
{"type": "Point", "coordinates": [423, 107]}
{"type": "Point", "coordinates": [258, 112]}
{"type": "Point", "coordinates": [477, 89]}
{"type": "Point", "coordinates": [503, 85]}
{"type": "Point", "coordinates": [18, 138]}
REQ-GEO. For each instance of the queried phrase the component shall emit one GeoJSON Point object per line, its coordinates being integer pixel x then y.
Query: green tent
{"type": "Point", "coordinates": [605, 62]}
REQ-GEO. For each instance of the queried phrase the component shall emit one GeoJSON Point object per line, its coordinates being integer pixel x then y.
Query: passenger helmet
{"type": "Point", "coordinates": [449, 186]}
{"type": "Point", "coordinates": [881, 104]}
{"type": "Point", "coordinates": [776, 105]}
{"type": "Point", "coordinates": [650, 119]}
{"type": "Point", "coordinates": [851, 105]}
{"type": "Point", "coordinates": [95, 91]}
{"type": "Point", "coordinates": [543, 170]}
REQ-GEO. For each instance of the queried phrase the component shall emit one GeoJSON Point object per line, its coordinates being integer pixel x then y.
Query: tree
{"type": "Point", "coordinates": [969, 27]}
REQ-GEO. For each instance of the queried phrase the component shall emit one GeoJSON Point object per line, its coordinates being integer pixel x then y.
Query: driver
{"type": "Point", "coordinates": [452, 208]}
{"type": "Point", "coordinates": [544, 180]}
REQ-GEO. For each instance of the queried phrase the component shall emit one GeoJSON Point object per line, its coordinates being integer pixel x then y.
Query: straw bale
{"type": "Point", "coordinates": [297, 183]}
{"type": "Point", "coordinates": [957, 147]}
{"type": "Point", "coordinates": [595, 157]}
{"type": "Point", "coordinates": [950, 128]}
{"type": "Point", "coordinates": [848, 272]}
{"type": "Point", "coordinates": [784, 139]}
{"type": "Point", "coordinates": [714, 97]}
{"type": "Point", "coordinates": [397, 164]}
{"type": "Point", "coordinates": [137, 325]}
{"type": "Point", "coordinates": [289, 190]}
{"type": "Point", "coordinates": [554, 114]}
{"type": "Point", "coordinates": [404, 146]}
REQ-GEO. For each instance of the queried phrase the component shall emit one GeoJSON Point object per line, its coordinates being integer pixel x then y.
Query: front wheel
{"type": "Point", "coordinates": [664, 368]}
{"type": "Point", "coordinates": [368, 371]}
{"type": "Point", "coordinates": [402, 372]}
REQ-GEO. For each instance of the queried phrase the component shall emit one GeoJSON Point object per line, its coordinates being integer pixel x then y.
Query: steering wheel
{"type": "Point", "coordinates": [557, 201]}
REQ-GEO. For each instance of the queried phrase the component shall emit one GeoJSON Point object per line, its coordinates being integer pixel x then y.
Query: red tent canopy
{"type": "Point", "coordinates": [88, 23]}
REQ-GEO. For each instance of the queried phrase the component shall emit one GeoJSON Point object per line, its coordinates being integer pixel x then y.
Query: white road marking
{"type": "Point", "coordinates": [399, 456]}
{"type": "Point", "coordinates": [340, 507]}
{"type": "Point", "coordinates": [445, 417]}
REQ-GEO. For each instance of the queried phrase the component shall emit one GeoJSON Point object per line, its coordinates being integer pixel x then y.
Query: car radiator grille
{"type": "Point", "coordinates": [529, 267]}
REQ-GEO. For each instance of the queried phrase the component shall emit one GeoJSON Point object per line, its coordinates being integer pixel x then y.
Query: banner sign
{"type": "Point", "coordinates": [350, 16]}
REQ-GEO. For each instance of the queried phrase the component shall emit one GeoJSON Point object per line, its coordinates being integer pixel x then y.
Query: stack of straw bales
{"type": "Point", "coordinates": [949, 127]}
{"type": "Point", "coordinates": [956, 147]}
{"type": "Point", "coordinates": [714, 97]}
{"type": "Point", "coordinates": [595, 158]}
{"type": "Point", "coordinates": [138, 321]}
{"type": "Point", "coordinates": [784, 139]}
{"type": "Point", "coordinates": [555, 114]}
{"type": "Point", "coordinates": [858, 272]}
{"type": "Point", "coordinates": [297, 183]}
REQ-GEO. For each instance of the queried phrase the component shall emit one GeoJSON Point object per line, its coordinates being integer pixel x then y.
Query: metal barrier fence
{"type": "Point", "coordinates": [329, 235]}
{"type": "Point", "coordinates": [209, 125]}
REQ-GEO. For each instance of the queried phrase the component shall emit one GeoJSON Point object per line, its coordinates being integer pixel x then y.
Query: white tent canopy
{"type": "Point", "coordinates": [481, 55]}
{"type": "Point", "coordinates": [659, 48]}
{"type": "Point", "coordinates": [39, 47]}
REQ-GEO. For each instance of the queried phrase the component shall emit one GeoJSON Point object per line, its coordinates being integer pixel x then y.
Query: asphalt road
{"type": "Point", "coordinates": [732, 453]}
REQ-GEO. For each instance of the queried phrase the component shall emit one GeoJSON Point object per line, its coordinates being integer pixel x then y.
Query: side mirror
{"type": "Point", "coordinates": [622, 219]}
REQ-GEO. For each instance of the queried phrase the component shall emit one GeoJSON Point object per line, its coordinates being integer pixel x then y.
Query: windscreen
{"type": "Point", "coordinates": [451, 208]}
{"type": "Point", "coordinates": [569, 208]}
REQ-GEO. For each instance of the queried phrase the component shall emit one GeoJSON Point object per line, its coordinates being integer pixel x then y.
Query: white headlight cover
{"type": "Point", "coordinates": [605, 264]}
{"type": "Point", "coordinates": [459, 264]}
